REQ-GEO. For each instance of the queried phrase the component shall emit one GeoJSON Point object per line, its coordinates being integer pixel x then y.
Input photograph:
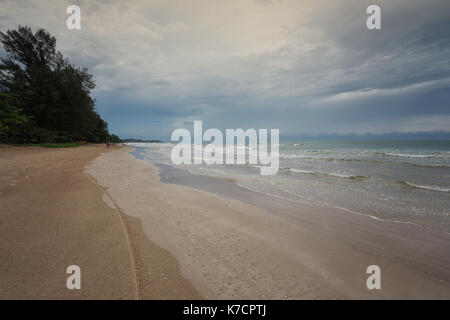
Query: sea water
{"type": "Point", "coordinates": [406, 181]}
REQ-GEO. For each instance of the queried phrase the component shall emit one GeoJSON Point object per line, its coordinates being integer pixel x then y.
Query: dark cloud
{"type": "Point", "coordinates": [308, 68]}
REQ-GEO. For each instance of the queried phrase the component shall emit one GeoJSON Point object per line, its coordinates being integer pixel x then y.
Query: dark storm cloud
{"type": "Point", "coordinates": [306, 67]}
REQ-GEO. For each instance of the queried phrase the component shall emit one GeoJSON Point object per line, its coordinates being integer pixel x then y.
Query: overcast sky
{"type": "Point", "coordinates": [305, 67]}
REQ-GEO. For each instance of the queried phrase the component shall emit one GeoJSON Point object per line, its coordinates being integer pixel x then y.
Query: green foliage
{"type": "Point", "coordinates": [53, 95]}
{"type": "Point", "coordinates": [10, 115]}
{"type": "Point", "coordinates": [115, 139]}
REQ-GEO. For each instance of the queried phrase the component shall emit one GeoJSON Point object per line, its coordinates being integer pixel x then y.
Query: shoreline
{"type": "Point", "coordinates": [380, 198]}
{"type": "Point", "coordinates": [170, 177]}
{"type": "Point", "coordinates": [309, 252]}
{"type": "Point", "coordinates": [135, 236]}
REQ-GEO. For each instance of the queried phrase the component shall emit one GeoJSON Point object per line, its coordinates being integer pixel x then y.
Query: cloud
{"type": "Point", "coordinates": [386, 92]}
{"type": "Point", "coordinates": [301, 66]}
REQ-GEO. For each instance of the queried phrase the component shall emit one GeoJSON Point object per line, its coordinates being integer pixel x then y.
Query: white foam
{"type": "Point", "coordinates": [302, 171]}
{"type": "Point", "coordinates": [432, 188]}
{"type": "Point", "coordinates": [411, 155]}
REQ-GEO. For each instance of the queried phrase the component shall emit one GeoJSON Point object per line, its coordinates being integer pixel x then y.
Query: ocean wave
{"type": "Point", "coordinates": [424, 187]}
{"type": "Point", "coordinates": [412, 164]}
{"type": "Point", "coordinates": [302, 171]}
{"type": "Point", "coordinates": [333, 159]}
{"type": "Point", "coordinates": [296, 156]}
{"type": "Point", "coordinates": [335, 175]}
{"type": "Point", "coordinates": [434, 166]}
{"type": "Point", "coordinates": [406, 155]}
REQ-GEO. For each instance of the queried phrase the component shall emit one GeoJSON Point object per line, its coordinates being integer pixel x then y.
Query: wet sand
{"type": "Point", "coordinates": [232, 243]}
{"type": "Point", "coordinates": [53, 215]}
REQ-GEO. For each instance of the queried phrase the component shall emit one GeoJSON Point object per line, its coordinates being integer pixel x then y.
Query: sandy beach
{"type": "Point", "coordinates": [136, 237]}
{"type": "Point", "coordinates": [238, 153]}
{"type": "Point", "coordinates": [54, 215]}
{"type": "Point", "coordinates": [249, 245]}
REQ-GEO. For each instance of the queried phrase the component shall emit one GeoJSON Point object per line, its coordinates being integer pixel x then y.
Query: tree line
{"type": "Point", "coordinates": [43, 97]}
